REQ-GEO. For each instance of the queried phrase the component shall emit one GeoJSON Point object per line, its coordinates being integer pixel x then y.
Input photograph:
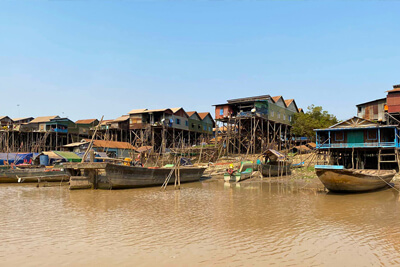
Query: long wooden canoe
{"type": "Point", "coordinates": [353, 180]}
{"type": "Point", "coordinates": [120, 176]}
{"type": "Point", "coordinates": [33, 175]}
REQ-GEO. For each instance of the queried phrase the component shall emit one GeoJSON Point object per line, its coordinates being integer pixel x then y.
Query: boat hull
{"type": "Point", "coordinates": [354, 180]}
{"type": "Point", "coordinates": [275, 169]}
{"type": "Point", "coordinates": [121, 177]}
{"type": "Point", "coordinates": [32, 175]}
{"type": "Point", "coordinates": [236, 177]}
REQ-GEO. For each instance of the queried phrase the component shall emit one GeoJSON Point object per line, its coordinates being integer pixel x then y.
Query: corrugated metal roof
{"type": "Point", "coordinates": [394, 90]}
{"type": "Point", "coordinates": [43, 119]}
{"type": "Point", "coordinates": [137, 111]}
{"type": "Point", "coordinates": [112, 144]}
{"type": "Point", "coordinates": [122, 118]}
{"type": "Point", "coordinates": [377, 100]}
{"type": "Point", "coordinates": [191, 113]}
{"type": "Point", "coordinates": [88, 121]}
{"type": "Point", "coordinates": [22, 119]}
{"type": "Point", "coordinates": [75, 144]}
{"type": "Point", "coordinates": [355, 122]}
{"type": "Point", "coordinates": [288, 102]}
{"type": "Point", "coordinates": [104, 122]}
{"type": "Point", "coordinates": [248, 99]}
{"type": "Point", "coordinates": [70, 156]}
{"type": "Point", "coordinates": [204, 114]}
{"type": "Point", "coordinates": [4, 117]}
{"type": "Point", "coordinates": [157, 110]}
{"type": "Point", "coordinates": [276, 98]}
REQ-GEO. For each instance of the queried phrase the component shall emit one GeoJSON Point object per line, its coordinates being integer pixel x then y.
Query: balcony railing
{"type": "Point", "coordinates": [357, 145]}
{"type": "Point", "coordinates": [58, 130]}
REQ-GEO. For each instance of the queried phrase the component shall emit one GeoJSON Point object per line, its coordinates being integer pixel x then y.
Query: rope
{"type": "Point", "coordinates": [388, 184]}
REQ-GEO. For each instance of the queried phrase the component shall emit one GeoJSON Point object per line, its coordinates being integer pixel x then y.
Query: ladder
{"type": "Point", "coordinates": [391, 157]}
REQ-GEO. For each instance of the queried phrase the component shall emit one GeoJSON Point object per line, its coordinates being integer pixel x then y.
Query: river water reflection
{"type": "Point", "coordinates": [209, 222]}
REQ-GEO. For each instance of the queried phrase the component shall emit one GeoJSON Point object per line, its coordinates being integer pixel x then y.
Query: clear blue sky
{"type": "Point", "coordinates": [84, 59]}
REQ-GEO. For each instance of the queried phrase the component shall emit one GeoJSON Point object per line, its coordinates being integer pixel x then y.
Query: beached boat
{"type": "Point", "coordinates": [337, 179]}
{"type": "Point", "coordinates": [115, 176]}
{"type": "Point", "coordinates": [245, 172]}
{"type": "Point", "coordinates": [276, 164]}
{"type": "Point", "coordinates": [33, 175]}
{"type": "Point", "coordinates": [276, 169]}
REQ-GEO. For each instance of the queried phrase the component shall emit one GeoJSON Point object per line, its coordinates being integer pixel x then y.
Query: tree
{"type": "Point", "coordinates": [315, 118]}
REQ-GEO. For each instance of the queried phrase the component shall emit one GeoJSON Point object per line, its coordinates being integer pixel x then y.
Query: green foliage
{"type": "Point", "coordinates": [315, 118]}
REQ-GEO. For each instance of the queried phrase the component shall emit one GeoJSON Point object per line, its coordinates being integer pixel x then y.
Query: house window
{"type": "Point", "coordinates": [210, 129]}
{"type": "Point", "coordinates": [178, 121]}
{"type": "Point", "coordinates": [186, 123]}
{"type": "Point", "coordinates": [372, 135]}
{"type": "Point", "coordinates": [284, 117]}
{"type": "Point", "coordinates": [221, 111]}
{"type": "Point", "coordinates": [192, 125]}
{"type": "Point", "coordinates": [272, 113]}
{"type": "Point", "coordinates": [199, 126]}
{"type": "Point", "coordinates": [290, 118]}
{"type": "Point", "coordinates": [205, 127]}
{"type": "Point", "coordinates": [359, 109]}
{"type": "Point", "coordinates": [339, 136]}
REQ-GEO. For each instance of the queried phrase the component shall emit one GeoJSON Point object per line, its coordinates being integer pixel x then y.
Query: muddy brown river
{"type": "Point", "coordinates": [206, 223]}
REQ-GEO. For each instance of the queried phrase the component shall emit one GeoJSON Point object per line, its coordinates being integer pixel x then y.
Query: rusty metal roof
{"type": "Point", "coordinates": [191, 113]}
{"type": "Point", "coordinates": [204, 114]}
{"type": "Point", "coordinates": [288, 102]}
{"type": "Point", "coordinates": [111, 144]}
{"type": "Point", "coordinates": [276, 98]}
{"type": "Point", "coordinates": [104, 122]}
{"type": "Point", "coordinates": [88, 121]}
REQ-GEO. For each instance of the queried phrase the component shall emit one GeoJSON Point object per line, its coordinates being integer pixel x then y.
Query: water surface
{"type": "Point", "coordinates": [209, 222]}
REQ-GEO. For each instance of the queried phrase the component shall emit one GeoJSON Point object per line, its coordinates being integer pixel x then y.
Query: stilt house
{"type": "Point", "coordinates": [361, 144]}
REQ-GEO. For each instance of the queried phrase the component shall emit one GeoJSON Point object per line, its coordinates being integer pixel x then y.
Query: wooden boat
{"type": "Point", "coordinates": [276, 164]}
{"type": "Point", "coordinates": [114, 176]}
{"type": "Point", "coordinates": [33, 175]}
{"type": "Point", "coordinates": [338, 179]}
{"type": "Point", "coordinates": [245, 172]}
{"type": "Point", "coordinates": [276, 168]}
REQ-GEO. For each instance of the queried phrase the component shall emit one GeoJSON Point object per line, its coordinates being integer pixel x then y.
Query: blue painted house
{"type": "Point", "coordinates": [361, 143]}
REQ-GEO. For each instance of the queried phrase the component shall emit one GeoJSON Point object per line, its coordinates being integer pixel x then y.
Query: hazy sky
{"type": "Point", "coordinates": [84, 59]}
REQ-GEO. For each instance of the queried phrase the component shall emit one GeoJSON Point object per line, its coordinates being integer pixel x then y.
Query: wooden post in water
{"type": "Point", "coordinates": [91, 141]}
{"type": "Point", "coordinates": [379, 160]}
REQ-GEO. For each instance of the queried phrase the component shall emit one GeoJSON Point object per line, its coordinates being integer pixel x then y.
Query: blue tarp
{"type": "Point", "coordinates": [16, 158]}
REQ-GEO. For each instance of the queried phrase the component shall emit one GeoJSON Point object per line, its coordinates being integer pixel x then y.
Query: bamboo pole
{"type": "Point", "coordinates": [91, 141]}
